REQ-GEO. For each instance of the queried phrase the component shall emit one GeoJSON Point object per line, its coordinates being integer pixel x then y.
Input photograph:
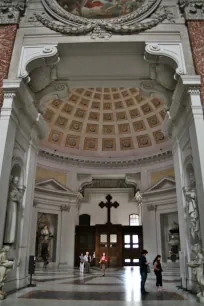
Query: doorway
{"type": "Point", "coordinates": [132, 245]}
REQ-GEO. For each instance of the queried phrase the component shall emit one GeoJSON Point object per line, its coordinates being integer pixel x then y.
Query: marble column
{"type": "Point", "coordinates": [26, 212]}
{"type": "Point", "coordinates": [8, 126]}
{"type": "Point", "coordinates": [196, 128]}
{"type": "Point", "coordinates": [67, 243]}
{"type": "Point", "coordinates": [184, 123]}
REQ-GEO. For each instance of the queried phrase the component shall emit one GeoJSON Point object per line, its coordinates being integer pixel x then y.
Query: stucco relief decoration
{"type": "Point", "coordinates": [191, 201]}
{"type": "Point", "coordinates": [197, 266]}
{"type": "Point", "coordinates": [11, 11]}
{"type": "Point", "coordinates": [102, 18]}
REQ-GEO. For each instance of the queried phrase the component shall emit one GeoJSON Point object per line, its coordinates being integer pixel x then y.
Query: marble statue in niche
{"type": "Point", "coordinates": [14, 197]}
{"type": "Point", "coordinates": [192, 205]}
{"type": "Point", "coordinates": [43, 240]}
{"type": "Point", "coordinates": [5, 266]}
{"type": "Point", "coordinates": [197, 266]}
{"type": "Point", "coordinates": [100, 8]}
{"type": "Point", "coordinates": [191, 201]}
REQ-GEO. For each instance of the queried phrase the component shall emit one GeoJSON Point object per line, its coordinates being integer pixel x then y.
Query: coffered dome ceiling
{"type": "Point", "coordinates": [108, 122]}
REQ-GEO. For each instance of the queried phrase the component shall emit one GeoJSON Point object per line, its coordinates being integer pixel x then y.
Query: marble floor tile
{"type": "Point", "coordinates": [119, 287]}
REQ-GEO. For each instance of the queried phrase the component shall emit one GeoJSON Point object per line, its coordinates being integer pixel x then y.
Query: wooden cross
{"type": "Point", "coordinates": [108, 205]}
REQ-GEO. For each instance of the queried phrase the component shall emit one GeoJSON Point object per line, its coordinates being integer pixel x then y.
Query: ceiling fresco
{"type": "Point", "coordinates": [100, 8]}
{"type": "Point", "coordinates": [106, 122]}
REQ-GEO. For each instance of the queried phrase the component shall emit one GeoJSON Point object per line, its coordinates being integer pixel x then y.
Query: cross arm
{"type": "Point", "coordinates": [102, 204]}
{"type": "Point", "coordinates": [115, 204]}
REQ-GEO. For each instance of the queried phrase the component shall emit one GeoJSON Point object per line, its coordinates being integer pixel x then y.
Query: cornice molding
{"type": "Point", "coordinates": [11, 11]}
{"type": "Point", "coordinates": [104, 163]}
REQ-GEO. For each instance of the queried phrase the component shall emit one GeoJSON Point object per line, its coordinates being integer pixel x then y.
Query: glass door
{"type": "Point", "coordinates": [132, 246]}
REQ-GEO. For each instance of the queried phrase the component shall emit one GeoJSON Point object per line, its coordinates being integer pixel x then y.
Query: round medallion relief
{"type": "Point", "coordinates": [91, 145]}
{"type": "Point", "coordinates": [109, 145]}
{"type": "Point", "coordinates": [144, 141]}
{"type": "Point", "coordinates": [126, 143]}
{"type": "Point", "coordinates": [72, 142]}
{"type": "Point", "coordinates": [100, 8]}
{"type": "Point", "coordinates": [160, 136]}
{"type": "Point", "coordinates": [76, 126]}
{"type": "Point", "coordinates": [55, 137]}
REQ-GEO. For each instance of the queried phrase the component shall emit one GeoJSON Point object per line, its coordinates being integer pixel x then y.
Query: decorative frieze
{"type": "Point", "coordinates": [105, 163]}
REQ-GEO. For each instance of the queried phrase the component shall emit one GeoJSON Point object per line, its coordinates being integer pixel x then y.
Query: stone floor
{"type": "Point", "coordinates": [119, 287]}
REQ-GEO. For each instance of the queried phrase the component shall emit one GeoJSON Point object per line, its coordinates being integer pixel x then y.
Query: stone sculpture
{"type": "Point", "coordinates": [14, 197]}
{"type": "Point", "coordinates": [197, 266]}
{"type": "Point", "coordinates": [191, 201]}
{"type": "Point", "coordinates": [138, 198]}
{"type": "Point", "coordinates": [5, 267]}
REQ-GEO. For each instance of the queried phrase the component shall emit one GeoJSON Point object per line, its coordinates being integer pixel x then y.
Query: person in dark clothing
{"type": "Point", "coordinates": [143, 270]}
{"type": "Point", "coordinates": [158, 272]}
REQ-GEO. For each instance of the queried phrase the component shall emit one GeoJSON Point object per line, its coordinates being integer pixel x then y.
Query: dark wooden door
{"type": "Point", "coordinates": [109, 239]}
{"type": "Point", "coordinates": [84, 241]}
{"type": "Point", "coordinates": [132, 245]}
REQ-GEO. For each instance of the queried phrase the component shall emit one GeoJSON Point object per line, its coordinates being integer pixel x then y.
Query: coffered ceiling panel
{"type": "Point", "coordinates": [106, 122]}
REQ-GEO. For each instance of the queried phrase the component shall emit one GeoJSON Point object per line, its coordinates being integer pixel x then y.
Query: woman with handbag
{"type": "Point", "coordinates": [158, 272]}
{"type": "Point", "coordinates": [103, 262]}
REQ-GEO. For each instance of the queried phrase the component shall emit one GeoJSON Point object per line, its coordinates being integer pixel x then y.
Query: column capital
{"type": "Point", "coordinates": [185, 97]}
{"type": "Point", "coordinates": [65, 208]}
{"type": "Point", "coordinates": [11, 11]}
{"type": "Point", "coordinates": [26, 104]}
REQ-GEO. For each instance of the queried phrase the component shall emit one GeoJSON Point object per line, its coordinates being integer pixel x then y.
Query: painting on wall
{"type": "Point", "coordinates": [100, 8]}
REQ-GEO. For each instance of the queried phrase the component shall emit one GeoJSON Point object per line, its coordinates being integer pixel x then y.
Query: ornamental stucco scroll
{"type": "Point", "coordinates": [143, 18]}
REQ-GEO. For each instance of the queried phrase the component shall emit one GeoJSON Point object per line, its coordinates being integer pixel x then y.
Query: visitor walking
{"type": "Point", "coordinates": [87, 261]}
{"type": "Point", "coordinates": [103, 262]}
{"type": "Point", "coordinates": [144, 266]}
{"type": "Point", "coordinates": [158, 272]}
{"type": "Point", "coordinates": [81, 265]}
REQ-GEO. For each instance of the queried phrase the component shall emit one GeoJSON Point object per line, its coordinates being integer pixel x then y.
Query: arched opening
{"type": "Point", "coordinates": [85, 220]}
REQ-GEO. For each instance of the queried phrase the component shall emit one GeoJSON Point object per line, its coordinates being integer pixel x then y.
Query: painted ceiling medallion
{"type": "Point", "coordinates": [102, 18]}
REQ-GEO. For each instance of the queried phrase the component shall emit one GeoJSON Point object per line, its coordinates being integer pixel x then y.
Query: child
{"type": "Point", "coordinates": [158, 272]}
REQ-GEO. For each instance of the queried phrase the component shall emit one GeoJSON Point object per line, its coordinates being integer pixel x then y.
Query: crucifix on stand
{"type": "Point", "coordinates": [108, 205]}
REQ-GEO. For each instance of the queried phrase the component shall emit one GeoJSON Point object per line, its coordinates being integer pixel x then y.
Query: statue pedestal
{"type": "Point", "coordinates": [200, 298]}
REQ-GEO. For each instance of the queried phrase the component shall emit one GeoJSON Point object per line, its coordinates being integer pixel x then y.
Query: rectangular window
{"type": "Point", "coordinates": [127, 239]}
{"type": "Point", "coordinates": [135, 246]}
{"type": "Point", "coordinates": [134, 220]}
{"type": "Point", "coordinates": [103, 238]}
{"type": "Point", "coordinates": [113, 238]}
{"type": "Point", "coordinates": [127, 246]}
{"type": "Point", "coordinates": [127, 260]}
{"type": "Point", "coordinates": [135, 239]}
{"type": "Point", "coordinates": [135, 260]}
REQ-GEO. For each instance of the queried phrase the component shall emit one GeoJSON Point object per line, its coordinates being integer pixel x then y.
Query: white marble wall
{"type": "Point", "coordinates": [99, 215]}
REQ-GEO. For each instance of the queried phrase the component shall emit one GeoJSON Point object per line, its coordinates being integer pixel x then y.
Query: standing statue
{"type": "Point", "coordinates": [191, 201]}
{"type": "Point", "coordinates": [14, 197]}
{"type": "Point", "coordinates": [45, 234]}
{"type": "Point", "coordinates": [197, 266]}
{"type": "Point", "coordinates": [5, 267]}
{"type": "Point", "coordinates": [138, 198]}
